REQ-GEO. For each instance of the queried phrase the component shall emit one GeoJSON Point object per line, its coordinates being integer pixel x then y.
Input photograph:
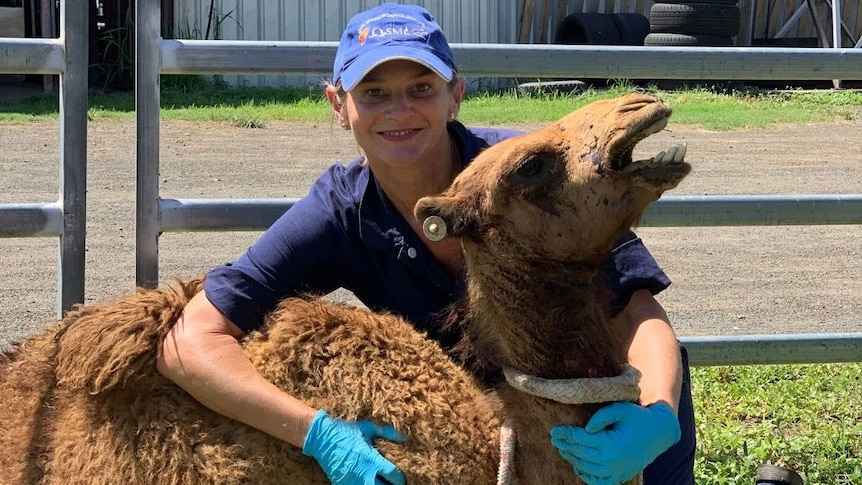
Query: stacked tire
{"type": "Point", "coordinates": [603, 29]}
{"type": "Point", "coordinates": [587, 28]}
{"type": "Point", "coordinates": [684, 23]}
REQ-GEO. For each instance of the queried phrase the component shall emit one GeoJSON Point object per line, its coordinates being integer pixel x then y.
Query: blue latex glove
{"type": "Point", "coordinates": [618, 442]}
{"type": "Point", "coordinates": [343, 449]}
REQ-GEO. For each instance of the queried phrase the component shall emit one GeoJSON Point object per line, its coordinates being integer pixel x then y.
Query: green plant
{"type": "Point", "coordinates": [212, 31]}
{"type": "Point", "coordinates": [219, 20]}
{"type": "Point", "coordinates": [189, 82]}
{"type": "Point", "coordinates": [805, 417]}
{"type": "Point", "coordinates": [117, 63]}
{"type": "Point", "coordinates": [246, 121]}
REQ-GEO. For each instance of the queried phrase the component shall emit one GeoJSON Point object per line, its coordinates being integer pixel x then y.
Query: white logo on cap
{"type": "Point", "coordinates": [418, 31]}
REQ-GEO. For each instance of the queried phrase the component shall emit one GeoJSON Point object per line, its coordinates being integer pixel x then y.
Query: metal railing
{"type": "Point", "coordinates": [155, 215]}
{"type": "Point", "coordinates": [66, 218]}
{"type": "Point", "coordinates": [154, 56]}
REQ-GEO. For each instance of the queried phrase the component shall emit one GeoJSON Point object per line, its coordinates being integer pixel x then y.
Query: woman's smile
{"type": "Point", "coordinates": [397, 135]}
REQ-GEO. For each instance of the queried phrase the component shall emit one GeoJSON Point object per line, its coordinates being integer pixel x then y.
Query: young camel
{"type": "Point", "coordinates": [83, 404]}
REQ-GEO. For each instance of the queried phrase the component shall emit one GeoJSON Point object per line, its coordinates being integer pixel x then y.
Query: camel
{"type": "Point", "coordinates": [536, 215]}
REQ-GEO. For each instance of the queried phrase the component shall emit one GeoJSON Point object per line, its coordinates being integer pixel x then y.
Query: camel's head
{"type": "Point", "coordinates": [561, 194]}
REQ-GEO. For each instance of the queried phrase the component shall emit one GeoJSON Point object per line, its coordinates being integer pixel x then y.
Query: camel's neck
{"type": "Point", "coordinates": [545, 321]}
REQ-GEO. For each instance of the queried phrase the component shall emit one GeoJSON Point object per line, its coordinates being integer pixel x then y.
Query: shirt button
{"type": "Point", "coordinates": [411, 252]}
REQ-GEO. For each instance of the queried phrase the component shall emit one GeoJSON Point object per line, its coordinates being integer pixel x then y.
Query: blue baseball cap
{"type": "Point", "coordinates": [387, 32]}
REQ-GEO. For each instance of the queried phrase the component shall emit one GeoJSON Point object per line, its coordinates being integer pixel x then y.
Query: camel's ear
{"type": "Point", "coordinates": [460, 216]}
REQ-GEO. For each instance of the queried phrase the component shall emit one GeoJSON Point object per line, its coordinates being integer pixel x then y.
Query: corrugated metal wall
{"type": "Point", "coordinates": [473, 21]}
{"type": "Point", "coordinates": [470, 21]}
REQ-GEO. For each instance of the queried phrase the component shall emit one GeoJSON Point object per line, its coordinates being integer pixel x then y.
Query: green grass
{"type": "Point", "coordinates": [192, 98]}
{"type": "Point", "coordinates": [187, 98]}
{"type": "Point", "coordinates": [806, 417]}
{"type": "Point", "coordinates": [699, 107]}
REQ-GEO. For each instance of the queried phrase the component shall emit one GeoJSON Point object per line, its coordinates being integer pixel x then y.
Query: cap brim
{"type": "Point", "coordinates": [362, 65]}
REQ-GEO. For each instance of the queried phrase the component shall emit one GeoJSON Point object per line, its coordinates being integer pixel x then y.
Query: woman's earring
{"type": "Point", "coordinates": [451, 116]}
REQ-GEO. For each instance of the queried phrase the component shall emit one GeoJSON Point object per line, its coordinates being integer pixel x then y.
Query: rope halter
{"type": "Point", "coordinates": [623, 387]}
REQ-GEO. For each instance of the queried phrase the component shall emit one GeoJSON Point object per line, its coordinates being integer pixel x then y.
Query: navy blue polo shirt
{"type": "Point", "coordinates": [347, 234]}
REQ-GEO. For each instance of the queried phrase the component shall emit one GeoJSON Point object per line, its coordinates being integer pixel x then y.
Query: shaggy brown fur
{"type": "Point", "coordinates": [83, 403]}
{"type": "Point", "coordinates": [537, 216]}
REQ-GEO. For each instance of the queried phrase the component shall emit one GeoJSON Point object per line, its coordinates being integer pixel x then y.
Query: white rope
{"type": "Point", "coordinates": [506, 470]}
{"type": "Point", "coordinates": [623, 387]}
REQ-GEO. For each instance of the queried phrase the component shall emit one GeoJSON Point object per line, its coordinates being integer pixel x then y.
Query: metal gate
{"type": "Point", "coordinates": [65, 218]}
{"type": "Point", "coordinates": [157, 56]}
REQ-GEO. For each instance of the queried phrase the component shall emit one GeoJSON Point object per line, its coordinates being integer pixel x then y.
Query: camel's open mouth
{"type": "Point", "coordinates": [621, 151]}
{"type": "Point", "coordinates": [673, 155]}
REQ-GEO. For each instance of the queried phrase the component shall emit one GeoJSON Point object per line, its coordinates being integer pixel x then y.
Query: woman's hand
{"type": "Point", "coordinates": [619, 441]}
{"type": "Point", "coordinates": [344, 451]}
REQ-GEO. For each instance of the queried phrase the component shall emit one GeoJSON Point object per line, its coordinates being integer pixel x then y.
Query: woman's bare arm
{"type": "Point", "coordinates": [654, 350]}
{"type": "Point", "coordinates": [202, 355]}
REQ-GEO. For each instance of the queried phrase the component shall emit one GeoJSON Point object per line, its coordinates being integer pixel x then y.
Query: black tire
{"type": "Point", "coordinates": [695, 19]}
{"type": "Point", "coordinates": [677, 40]}
{"type": "Point", "coordinates": [588, 28]}
{"type": "Point", "coordinates": [776, 474]}
{"type": "Point", "coordinates": [633, 27]}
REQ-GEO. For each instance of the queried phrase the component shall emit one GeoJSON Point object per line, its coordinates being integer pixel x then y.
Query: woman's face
{"type": "Point", "coordinates": [398, 114]}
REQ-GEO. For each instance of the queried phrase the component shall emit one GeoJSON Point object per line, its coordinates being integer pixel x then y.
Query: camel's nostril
{"type": "Point", "coordinates": [634, 106]}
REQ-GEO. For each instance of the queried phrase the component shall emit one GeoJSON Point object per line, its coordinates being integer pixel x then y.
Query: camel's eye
{"type": "Point", "coordinates": [531, 168]}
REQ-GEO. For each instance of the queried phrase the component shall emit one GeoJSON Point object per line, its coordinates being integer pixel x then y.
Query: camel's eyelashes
{"type": "Point", "coordinates": [532, 168]}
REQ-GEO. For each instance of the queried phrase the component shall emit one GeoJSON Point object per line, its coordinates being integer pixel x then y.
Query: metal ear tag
{"type": "Point", "coordinates": [434, 228]}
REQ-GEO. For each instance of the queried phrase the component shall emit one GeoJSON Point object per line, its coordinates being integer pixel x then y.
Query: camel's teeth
{"type": "Point", "coordinates": [674, 154]}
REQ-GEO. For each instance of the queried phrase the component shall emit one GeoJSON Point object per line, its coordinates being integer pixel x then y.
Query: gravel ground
{"type": "Point", "coordinates": [727, 280]}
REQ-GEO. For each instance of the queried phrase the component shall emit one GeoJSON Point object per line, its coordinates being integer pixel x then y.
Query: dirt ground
{"type": "Point", "coordinates": [727, 280]}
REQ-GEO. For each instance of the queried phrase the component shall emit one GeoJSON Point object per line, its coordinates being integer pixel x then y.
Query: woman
{"type": "Point", "coordinates": [395, 86]}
